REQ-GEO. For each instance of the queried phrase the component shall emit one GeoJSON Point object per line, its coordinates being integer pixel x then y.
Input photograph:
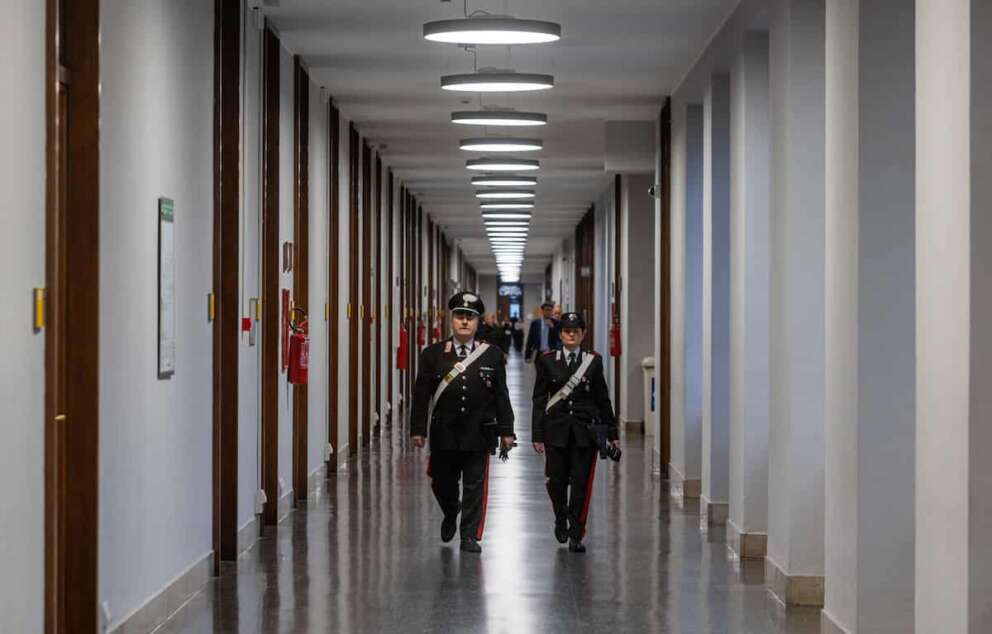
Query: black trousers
{"type": "Point", "coordinates": [570, 472]}
{"type": "Point", "coordinates": [472, 468]}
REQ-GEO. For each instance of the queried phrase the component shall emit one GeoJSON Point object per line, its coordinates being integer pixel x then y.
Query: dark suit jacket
{"type": "Point", "coordinates": [474, 409]}
{"type": "Point", "coordinates": [534, 337]}
{"type": "Point", "coordinates": [588, 402]}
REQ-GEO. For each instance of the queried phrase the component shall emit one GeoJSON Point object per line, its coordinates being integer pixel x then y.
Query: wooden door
{"type": "Point", "coordinates": [663, 365]}
{"type": "Point", "coordinates": [378, 314]}
{"type": "Point", "coordinates": [585, 240]}
{"type": "Point", "coordinates": [301, 264]}
{"type": "Point", "coordinates": [617, 280]}
{"type": "Point", "coordinates": [354, 148]}
{"type": "Point", "coordinates": [334, 288]}
{"type": "Point", "coordinates": [72, 227]}
{"type": "Point", "coordinates": [365, 311]}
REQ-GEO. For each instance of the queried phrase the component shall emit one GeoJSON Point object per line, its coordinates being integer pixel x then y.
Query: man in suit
{"type": "Point", "coordinates": [543, 334]}
{"type": "Point", "coordinates": [565, 409]}
{"type": "Point", "coordinates": [461, 395]}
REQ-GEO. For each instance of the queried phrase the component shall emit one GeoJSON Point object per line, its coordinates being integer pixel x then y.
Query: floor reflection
{"type": "Point", "coordinates": [366, 557]}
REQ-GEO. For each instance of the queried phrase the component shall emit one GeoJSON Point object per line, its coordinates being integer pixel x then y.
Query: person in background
{"type": "Point", "coordinates": [518, 334]}
{"type": "Point", "coordinates": [556, 313]}
{"type": "Point", "coordinates": [486, 328]}
{"type": "Point", "coordinates": [492, 331]}
{"type": "Point", "coordinates": [543, 334]}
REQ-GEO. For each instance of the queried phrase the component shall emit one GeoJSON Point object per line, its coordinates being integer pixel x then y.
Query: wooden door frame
{"type": "Point", "coordinates": [227, 277]}
{"type": "Point", "coordinates": [663, 365]}
{"type": "Point", "coordinates": [271, 360]}
{"type": "Point", "coordinates": [616, 317]}
{"type": "Point", "coordinates": [388, 315]}
{"type": "Point", "coordinates": [334, 284]}
{"type": "Point", "coordinates": [377, 310]}
{"type": "Point", "coordinates": [72, 245]}
{"type": "Point", "coordinates": [365, 312]}
{"type": "Point", "coordinates": [301, 265]}
{"type": "Point", "coordinates": [430, 280]}
{"type": "Point", "coordinates": [353, 164]}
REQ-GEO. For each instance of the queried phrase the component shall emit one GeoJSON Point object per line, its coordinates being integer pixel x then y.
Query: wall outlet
{"type": "Point", "coordinates": [260, 500]}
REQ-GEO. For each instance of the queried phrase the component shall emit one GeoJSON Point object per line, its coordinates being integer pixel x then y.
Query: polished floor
{"type": "Point", "coordinates": [365, 556]}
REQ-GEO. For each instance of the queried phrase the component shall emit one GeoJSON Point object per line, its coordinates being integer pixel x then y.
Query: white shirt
{"type": "Point", "coordinates": [469, 346]}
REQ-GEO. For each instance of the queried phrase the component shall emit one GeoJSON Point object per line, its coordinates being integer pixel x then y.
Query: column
{"type": "Point", "coordinates": [687, 275]}
{"type": "Point", "coordinates": [954, 316]}
{"type": "Point", "coordinates": [750, 287]}
{"type": "Point", "coordinates": [870, 325]}
{"type": "Point", "coordinates": [794, 562]}
{"type": "Point", "coordinates": [716, 300]}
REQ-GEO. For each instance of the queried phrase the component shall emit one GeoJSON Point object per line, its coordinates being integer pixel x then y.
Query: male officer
{"type": "Point", "coordinates": [570, 395]}
{"type": "Point", "coordinates": [543, 334]}
{"type": "Point", "coordinates": [461, 393]}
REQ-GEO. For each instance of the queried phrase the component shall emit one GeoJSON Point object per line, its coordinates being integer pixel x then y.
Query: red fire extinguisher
{"type": "Point", "coordinates": [299, 350]}
{"type": "Point", "coordinates": [615, 339]}
{"type": "Point", "coordinates": [401, 350]}
{"type": "Point", "coordinates": [421, 333]}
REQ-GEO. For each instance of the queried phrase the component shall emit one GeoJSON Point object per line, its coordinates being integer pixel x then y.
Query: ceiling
{"type": "Point", "coordinates": [615, 62]}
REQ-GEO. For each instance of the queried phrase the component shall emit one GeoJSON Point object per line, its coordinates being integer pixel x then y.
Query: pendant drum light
{"type": "Point", "coordinates": [509, 180]}
{"type": "Point", "coordinates": [492, 80]}
{"type": "Point", "coordinates": [508, 118]}
{"type": "Point", "coordinates": [492, 29]}
{"type": "Point", "coordinates": [496, 164]}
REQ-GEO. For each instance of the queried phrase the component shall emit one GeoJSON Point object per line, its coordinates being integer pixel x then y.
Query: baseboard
{"type": "Point", "coordinates": [746, 545]}
{"type": "Point", "coordinates": [636, 426]}
{"type": "Point", "coordinates": [285, 506]}
{"type": "Point", "coordinates": [248, 534]}
{"type": "Point", "coordinates": [167, 601]}
{"type": "Point", "coordinates": [829, 625]}
{"type": "Point", "coordinates": [793, 590]}
{"type": "Point", "coordinates": [713, 513]}
{"type": "Point", "coordinates": [681, 487]}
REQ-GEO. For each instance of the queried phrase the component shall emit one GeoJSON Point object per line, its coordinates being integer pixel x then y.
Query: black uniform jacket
{"type": "Point", "coordinates": [474, 409]}
{"type": "Point", "coordinates": [588, 402]}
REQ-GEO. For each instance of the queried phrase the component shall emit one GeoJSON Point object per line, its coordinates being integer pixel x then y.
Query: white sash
{"type": "Point", "coordinates": [458, 368]}
{"type": "Point", "coordinates": [572, 383]}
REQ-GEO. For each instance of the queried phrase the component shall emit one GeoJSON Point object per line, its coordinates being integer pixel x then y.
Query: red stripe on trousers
{"type": "Point", "coordinates": [585, 504]}
{"type": "Point", "coordinates": [429, 467]}
{"type": "Point", "coordinates": [485, 500]}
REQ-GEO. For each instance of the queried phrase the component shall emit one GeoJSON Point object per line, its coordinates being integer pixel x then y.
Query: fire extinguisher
{"type": "Point", "coordinates": [299, 350]}
{"type": "Point", "coordinates": [437, 329]}
{"type": "Point", "coordinates": [401, 350]}
{"type": "Point", "coordinates": [615, 339]}
{"type": "Point", "coordinates": [421, 333]}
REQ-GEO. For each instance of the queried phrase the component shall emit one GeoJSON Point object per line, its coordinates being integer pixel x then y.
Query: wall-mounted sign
{"type": "Point", "coordinates": [166, 289]}
{"type": "Point", "coordinates": [510, 290]}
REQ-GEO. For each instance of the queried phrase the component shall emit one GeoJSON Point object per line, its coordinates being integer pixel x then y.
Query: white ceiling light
{"type": "Point", "coordinates": [506, 216]}
{"type": "Point", "coordinates": [506, 223]}
{"type": "Point", "coordinates": [492, 164]}
{"type": "Point", "coordinates": [499, 118]}
{"type": "Point", "coordinates": [508, 205]}
{"type": "Point", "coordinates": [508, 250]}
{"type": "Point", "coordinates": [495, 80]}
{"type": "Point", "coordinates": [516, 230]}
{"type": "Point", "coordinates": [510, 180]}
{"type": "Point", "coordinates": [492, 29]}
{"type": "Point", "coordinates": [504, 194]}
{"type": "Point", "coordinates": [499, 144]}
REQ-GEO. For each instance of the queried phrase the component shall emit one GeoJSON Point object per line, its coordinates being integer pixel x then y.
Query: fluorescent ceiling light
{"type": "Point", "coordinates": [496, 194]}
{"type": "Point", "coordinates": [507, 230]}
{"type": "Point", "coordinates": [499, 144]}
{"type": "Point", "coordinates": [492, 29]}
{"type": "Point", "coordinates": [492, 80]}
{"type": "Point", "coordinates": [493, 164]}
{"type": "Point", "coordinates": [509, 180]}
{"type": "Point", "coordinates": [506, 223]}
{"type": "Point", "coordinates": [509, 118]}
{"type": "Point", "coordinates": [508, 205]}
{"type": "Point", "coordinates": [498, 215]}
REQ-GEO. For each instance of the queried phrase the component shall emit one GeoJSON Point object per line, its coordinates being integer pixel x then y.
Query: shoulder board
{"type": "Point", "coordinates": [447, 346]}
{"type": "Point", "coordinates": [593, 353]}
{"type": "Point", "coordinates": [547, 352]}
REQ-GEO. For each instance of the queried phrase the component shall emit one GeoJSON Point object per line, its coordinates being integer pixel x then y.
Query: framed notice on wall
{"type": "Point", "coordinates": [166, 289]}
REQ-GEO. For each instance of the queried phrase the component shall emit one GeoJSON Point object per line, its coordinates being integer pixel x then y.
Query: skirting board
{"type": "Point", "coordinates": [248, 534]}
{"type": "Point", "coordinates": [793, 590]}
{"type": "Point", "coordinates": [713, 513]}
{"type": "Point", "coordinates": [829, 626]}
{"type": "Point", "coordinates": [680, 487]}
{"type": "Point", "coordinates": [636, 426]}
{"type": "Point", "coordinates": [167, 601]}
{"type": "Point", "coordinates": [746, 545]}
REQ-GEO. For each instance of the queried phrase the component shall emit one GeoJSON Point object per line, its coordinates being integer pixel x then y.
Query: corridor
{"type": "Point", "coordinates": [365, 557]}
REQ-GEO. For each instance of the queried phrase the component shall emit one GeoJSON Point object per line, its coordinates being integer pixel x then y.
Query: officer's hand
{"type": "Point", "coordinates": [508, 442]}
{"type": "Point", "coordinates": [539, 447]}
{"type": "Point", "coordinates": [418, 441]}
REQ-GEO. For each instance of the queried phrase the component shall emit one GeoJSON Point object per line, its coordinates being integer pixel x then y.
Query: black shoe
{"type": "Point", "coordinates": [561, 534]}
{"type": "Point", "coordinates": [448, 527]}
{"type": "Point", "coordinates": [575, 546]}
{"type": "Point", "coordinates": [469, 545]}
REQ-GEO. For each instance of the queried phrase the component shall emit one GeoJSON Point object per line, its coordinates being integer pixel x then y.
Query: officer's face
{"type": "Point", "coordinates": [572, 337]}
{"type": "Point", "coordinates": [464, 324]}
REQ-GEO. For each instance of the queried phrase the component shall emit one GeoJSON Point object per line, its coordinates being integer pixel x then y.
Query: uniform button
{"type": "Point", "coordinates": [463, 398]}
{"type": "Point", "coordinates": [464, 387]}
{"type": "Point", "coordinates": [463, 409]}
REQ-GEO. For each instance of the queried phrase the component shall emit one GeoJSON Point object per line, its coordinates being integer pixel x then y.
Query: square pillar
{"type": "Point", "coordinates": [796, 430]}
{"type": "Point", "coordinates": [954, 316]}
{"type": "Point", "coordinates": [750, 288]}
{"type": "Point", "coordinates": [716, 301]}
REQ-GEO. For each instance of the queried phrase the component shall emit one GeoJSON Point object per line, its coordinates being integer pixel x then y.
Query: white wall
{"type": "Point", "coordinates": [487, 292]}
{"type": "Point", "coordinates": [249, 356]}
{"type": "Point", "coordinates": [319, 209]}
{"type": "Point", "coordinates": [22, 267]}
{"type": "Point", "coordinates": [156, 435]}
{"type": "Point", "coordinates": [639, 266]}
